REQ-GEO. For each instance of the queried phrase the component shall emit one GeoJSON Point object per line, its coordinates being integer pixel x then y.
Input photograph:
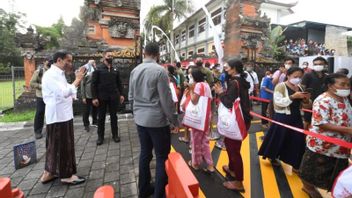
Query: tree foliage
{"type": "Point", "coordinates": [276, 38]}
{"type": "Point", "coordinates": [9, 23]}
{"type": "Point", "coordinates": [162, 16]}
{"type": "Point", "coordinates": [54, 33]}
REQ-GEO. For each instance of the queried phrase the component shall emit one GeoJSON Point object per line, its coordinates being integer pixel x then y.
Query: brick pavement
{"type": "Point", "coordinates": [112, 163]}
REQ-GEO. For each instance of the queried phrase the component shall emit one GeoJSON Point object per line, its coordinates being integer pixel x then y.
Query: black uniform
{"type": "Point", "coordinates": [107, 88]}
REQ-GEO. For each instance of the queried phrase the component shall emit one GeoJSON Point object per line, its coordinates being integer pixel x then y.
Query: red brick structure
{"type": "Point", "coordinates": [245, 29]}
{"type": "Point", "coordinates": [113, 22]}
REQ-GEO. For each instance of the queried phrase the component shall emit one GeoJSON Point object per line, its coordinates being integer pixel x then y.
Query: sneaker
{"type": "Point", "coordinates": [116, 139]}
{"type": "Point", "coordinates": [220, 145]}
{"type": "Point", "coordinates": [38, 136]}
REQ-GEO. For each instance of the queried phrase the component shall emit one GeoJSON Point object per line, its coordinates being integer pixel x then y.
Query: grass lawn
{"type": "Point", "coordinates": [18, 116]}
{"type": "Point", "coordinates": [6, 93]}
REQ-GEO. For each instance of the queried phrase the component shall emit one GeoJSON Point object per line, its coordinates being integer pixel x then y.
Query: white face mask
{"type": "Point", "coordinates": [318, 68]}
{"type": "Point", "coordinates": [287, 66]}
{"type": "Point", "coordinates": [343, 92]}
{"type": "Point", "coordinates": [295, 81]}
{"type": "Point", "coordinates": [191, 81]}
{"type": "Point", "coordinates": [303, 66]}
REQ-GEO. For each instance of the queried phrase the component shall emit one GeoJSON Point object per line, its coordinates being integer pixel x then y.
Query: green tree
{"type": "Point", "coordinates": [54, 33]}
{"type": "Point", "coordinates": [275, 49]}
{"type": "Point", "coordinates": [9, 53]}
{"type": "Point", "coordinates": [164, 15]}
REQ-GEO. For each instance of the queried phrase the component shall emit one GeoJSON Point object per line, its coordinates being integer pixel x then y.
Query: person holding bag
{"type": "Point", "coordinates": [282, 143]}
{"type": "Point", "coordinates": [199, 108]}
{"type": "Point", "coordinates": [236, 88]}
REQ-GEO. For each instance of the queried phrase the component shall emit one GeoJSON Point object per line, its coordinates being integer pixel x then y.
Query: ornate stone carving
{"type": "Point", "coordinates": [120, 27]}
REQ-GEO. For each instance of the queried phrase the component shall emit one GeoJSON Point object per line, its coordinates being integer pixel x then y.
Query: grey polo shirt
{"type": "Point", "coordinates": [151, 96]}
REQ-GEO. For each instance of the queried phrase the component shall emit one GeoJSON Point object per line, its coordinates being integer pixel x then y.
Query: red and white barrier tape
{"type": "Point", "coordinates": [317, 135]}
{"type": "Point", "coordinates": [268, 101]}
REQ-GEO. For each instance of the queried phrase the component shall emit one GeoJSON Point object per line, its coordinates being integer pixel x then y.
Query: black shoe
{"type": "Point", "coordinates": [38, 136]}
{"type": "Point", "coordinates": [87, 128]}
{"type": "Point", "coordinates": [116, 139]}
{"type": "Point", "coordinates": [95, 125]}
{"type": "Point", "coordinates": [100, 141]}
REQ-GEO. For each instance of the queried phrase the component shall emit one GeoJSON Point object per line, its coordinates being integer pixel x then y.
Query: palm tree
{"type": "Point", "coordinates": [164, 15]}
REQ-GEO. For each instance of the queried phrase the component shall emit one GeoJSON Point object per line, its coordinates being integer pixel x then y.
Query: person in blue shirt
{"type": "Point", "coordinates": [266, 92]}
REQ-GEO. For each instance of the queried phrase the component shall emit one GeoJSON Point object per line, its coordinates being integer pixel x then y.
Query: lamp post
{"type": "Point", "coordinates": [172, 45]}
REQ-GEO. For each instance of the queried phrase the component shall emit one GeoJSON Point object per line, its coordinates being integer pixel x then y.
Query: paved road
{"type": "Point", "coordinates": [117, 164]}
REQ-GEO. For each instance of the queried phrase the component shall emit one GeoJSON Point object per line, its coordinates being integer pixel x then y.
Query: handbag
{"type": "Point", "coordinates": [231, 123]}
{"type": "Point", "coordinates": [198, 116]}
{"type": "Point", "coordinates": [343, 184]}
{"type": "Point", "coordinates": [173, 92]}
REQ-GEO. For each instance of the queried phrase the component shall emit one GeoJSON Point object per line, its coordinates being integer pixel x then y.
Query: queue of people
{"type": "Point", "coordinates": [157, 114]}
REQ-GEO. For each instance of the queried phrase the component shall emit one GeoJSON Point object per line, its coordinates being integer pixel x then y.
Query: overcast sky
{"type": "Point", "coordinates": [47, 12]}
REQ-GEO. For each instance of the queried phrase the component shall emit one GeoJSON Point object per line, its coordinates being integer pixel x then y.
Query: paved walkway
{"type": "Point", "coordinates": [111, 163]}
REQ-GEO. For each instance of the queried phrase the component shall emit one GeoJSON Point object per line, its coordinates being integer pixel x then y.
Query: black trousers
{"type": "Point", "coordinates": [60, 157]}
{"type": "Point", "coordinates": [113, 105]}
{"type": "Point", "coordinates": [264, 111]}
{"type": "Point", "coordinates": [39, 116]}
{"type": "Point", "coordinates": [87, 110]}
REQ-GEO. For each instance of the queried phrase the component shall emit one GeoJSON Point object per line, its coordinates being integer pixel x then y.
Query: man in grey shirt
{"type": "Point", "coordinates": [153, 110]}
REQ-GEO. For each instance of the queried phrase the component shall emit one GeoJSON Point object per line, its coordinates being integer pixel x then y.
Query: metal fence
{"type": "Point", "coordinates": [12, 85]}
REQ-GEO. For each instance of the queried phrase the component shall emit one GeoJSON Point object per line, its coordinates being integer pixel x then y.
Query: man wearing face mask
{"type": "Point", "coordinates": [107, 93]}
{"type": "Point", "coordinates": [253, 80]}
{"type": "Point", "coordinates": [280, 75]}
{"type": "Point", "coordinates": [313, 83]}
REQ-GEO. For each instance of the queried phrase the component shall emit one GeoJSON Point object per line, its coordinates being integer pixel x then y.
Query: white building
{"type": "Point", "coordinates": [194, 35]}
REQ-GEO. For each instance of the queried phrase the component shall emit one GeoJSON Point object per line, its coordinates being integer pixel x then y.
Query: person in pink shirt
{"type": "Point", "coordinates": [200, 142]}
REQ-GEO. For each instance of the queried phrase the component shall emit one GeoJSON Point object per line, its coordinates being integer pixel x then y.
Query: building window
{"type": "Point", "coordinates": [201, 50]}
{"type": "Point", "coordinates": [183, 35]}
{"type": "Point", "coordinates": [201, 26]}
{"type": "Point", "coordinates": [183, 54]}
{"type": "Point", "coordinates": [190, 54]}
{"type": "Point", "coordinates": [177, 39]}
{"type": "Point", "coordinates": [216, 16]}
{"type": "Point", "coordinates": [91, 29]}
{"type": "Point", "coordinates": [191, 31]}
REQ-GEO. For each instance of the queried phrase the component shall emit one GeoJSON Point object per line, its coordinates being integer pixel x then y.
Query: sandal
{"type": "Point", "coordinates": [183, 139]}
{"type": "Point", "coordinates": [191, 165]}
{"type": "Point", "coordinates": [48, 179]}
{"type": "Point", "coordinates": [207, 170]}
{"type": "Point", "coordinates": [77, 181]}
{"type": "Point", "coordinates": [230, 186]}
{"type": "Point", "coordinates": [226, 169]}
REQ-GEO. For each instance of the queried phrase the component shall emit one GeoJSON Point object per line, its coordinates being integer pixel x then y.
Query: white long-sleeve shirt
{"type": "Point", "coordinates": [57, 96]}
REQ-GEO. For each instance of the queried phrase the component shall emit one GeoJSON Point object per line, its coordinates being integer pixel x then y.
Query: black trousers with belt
{"type": "Point", "coordinates": [113, 105]}
{"type": "Point", "coordinates": [39, 116]}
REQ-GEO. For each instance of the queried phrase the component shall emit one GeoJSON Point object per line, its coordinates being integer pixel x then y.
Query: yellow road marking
{"type": "Point", "coordinates": [270, 187]}
{"type": "Point", "coordinates": [256, 121]}
{"type": "Point", "coordinates": [294, 181]}
{"type": "Point", "coordinates": [223, 160]}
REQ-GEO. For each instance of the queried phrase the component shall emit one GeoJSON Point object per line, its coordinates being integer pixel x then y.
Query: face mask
{"type": "Point", "coordinates": [249, 69]}
{"type": "Point", "coordinates": [295, 81]}
{"type": "Point", "coordinates": [109, 60]}
{"type": "Point", "coordinates": [191, 80]}
{"type": "Point", "coordinates": [303, 66]}
{"type": "Point", "coordinates": [343, 92]}
{"type": "Point", "coordinates": [318, 68]}
{"type": "Point", "coordinates": [287, 66]}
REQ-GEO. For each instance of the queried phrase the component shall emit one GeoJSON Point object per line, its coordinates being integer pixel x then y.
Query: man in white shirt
{"type": "Point", "coordinates": [58, 96]}
{"type": "Point", "coordinates": [252, 78]}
